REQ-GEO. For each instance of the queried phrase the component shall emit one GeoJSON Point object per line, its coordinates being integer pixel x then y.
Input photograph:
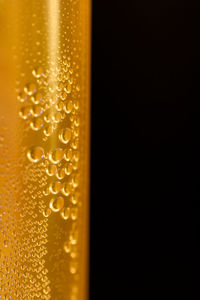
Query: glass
{"type": "Point", "coordinates": [44, 148]}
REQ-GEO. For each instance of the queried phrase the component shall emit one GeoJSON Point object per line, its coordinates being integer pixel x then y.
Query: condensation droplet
{"type": "Point", "coordinates": [60, 174]}
{"type": "Point", "coordinates": [76, 104]}
{"type": "Point", "coordinates": [60, 86]}
{"type": "Point", "coordinates": [68, 107]}
{"type": "Point", "coordinates": [75, 165]}
{"type": "Point", "coordinates": [65, 213]}
{"type": "Point", "coordinates": [73, 267]}
{"type": "Point", "coordinates": [75, 143]}
{"type": "Point", "coordinates": [63, 96]}
{"type": "Point", "coordinates": [69, 169]}
{"type": "Point", "coordinates": [59, 106]}
{"type": "Point", "coordinates": [56, 155]}
{"type": "Point", "coordinates": [75, 180]}
{"type": "Point", "coordinates": [67, 247]}
{"type": "Point", "coordinates": [68, 155]}
{"type": "Point", "coordinates": [76, 131]}
{"type": "Point", "coordinates": [51, 170]}
{"type": "Point", "coordinates": [48, 130]}
{"type": "Point", "coordinates": [35, 154]}
{"type": "Point", "coordinates": [77, 122]}
{"type": "Point", "coordinates": [53, 99]}
{"type": "Point", "coordinates": [74, 198]}
{"type": "Point", "coordinates": [65, 62]}
{"type": "Point", "coordinates": [36, 124]}
{"type": "Point", "coordinates": [30, 89]}
{"type": "Point", "coordinates": [47, 212]}
{"type": "Point", "coordinates": [65, 69]}
{"type": "Point", "coordinates": [22, 97]}
{"type": "Point", "coordinates": [38, 72]}
{"type": "Point", "coordinates": [25, 112]}
{"type": "Point", "coordinates": [68, 88]}
{"type": "Point", "coordinates": [36, 110]}
{"type": "Point", "coordinates": [37, 98]}
{"type": "Point", "coordinates": [67, 189]}
{"type": "Point", "coordinates": [65, 135]}
{"type": "Point", "coordinates": [48, 117]}
{"type": "Point", "coordinates": [56, 204]}
{"type": "Point", "coordinates": [46, 192]}
{"type": "Point", "coordinates": [57, 117]}
{"type": "Point", "coordinates": [55, 187]}
{"type": "Point", "coordinates": [74, 213]}
{"type": "Point", "coordinates": [67, 76]}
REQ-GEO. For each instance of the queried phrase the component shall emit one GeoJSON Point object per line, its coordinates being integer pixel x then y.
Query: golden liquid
{"type": "Point", "coordinates": [44, 149]}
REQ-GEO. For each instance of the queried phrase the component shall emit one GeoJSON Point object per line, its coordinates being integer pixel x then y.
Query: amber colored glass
{"type": "Point", "coordinates": [44, 149]}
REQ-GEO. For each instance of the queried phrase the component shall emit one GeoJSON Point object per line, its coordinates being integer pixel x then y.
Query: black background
{"type": "Point", "coordinates": [145, 149]}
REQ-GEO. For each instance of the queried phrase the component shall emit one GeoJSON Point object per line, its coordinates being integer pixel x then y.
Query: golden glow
{"type": "Point", "coordinates": [44, 149]}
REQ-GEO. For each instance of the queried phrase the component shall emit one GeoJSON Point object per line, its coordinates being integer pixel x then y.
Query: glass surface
{"type": "Point", "coordinates": [44, 149]}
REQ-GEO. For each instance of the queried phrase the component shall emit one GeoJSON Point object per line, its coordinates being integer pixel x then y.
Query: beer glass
{"type": "Point", "coordinates": [44, 149]}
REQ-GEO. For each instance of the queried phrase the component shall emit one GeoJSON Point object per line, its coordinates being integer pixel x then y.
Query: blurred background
{"type": "Point", "coordinates": [145, 223]}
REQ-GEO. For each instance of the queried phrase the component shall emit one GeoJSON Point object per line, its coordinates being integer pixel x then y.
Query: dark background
{"type": "Point", "coordinates": [145, 197]}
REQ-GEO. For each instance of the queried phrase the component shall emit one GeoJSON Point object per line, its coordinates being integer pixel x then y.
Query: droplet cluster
{"type": "Point", "coordinates": [41, 200]}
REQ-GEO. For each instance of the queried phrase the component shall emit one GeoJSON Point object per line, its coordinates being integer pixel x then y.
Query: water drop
{"type": "Point", "coordinates": [51, 170]}
{"type": "Point", "coordinates": [35, 154]}
{"type": "Point", "coordinates": [75, 165]}
{"type": "Point", "coordinates": [67, 247]}
{"type": "Point", "coordinates": [77, 122]}
{"type": "Point", "coordinates": [76, 131]}
{"type": "Point", "coordinates": [25, 112]}
{"type": "Point", "coordinates": [37, 98]}
{"type": "Point", "coordinates": [60, 174]}
{"type": "Point", "coordinates": [73, 267]}
{"type": "Point", "coordinates": [74, 213]}
{"type": "Point", "coordinates": [52, 87]}
{"type": "Point", "coordinates": [65, 135]}
{"type": "Point", "coordinates": [56, 204]}
{"type": "Point", "coordinates": [47, 212]}
{"type": "Point", "coordinates": [36, 124]}
{"type": "Point", "coordinates": [48, 117]}
{"type": "Point", "coordinates": [22, 97]}
{"type": "Point", "coordinates": [63, 96]}
{"type": "Point", "coordinates": [36, 110]}
{"type": "Point", "coordinates": [53, 99]}
{"type": "Point", "coordinates": [48, 130]}
{"type": "Point", "coordinates": [67, 189]}
{"type": "Point", "coordinates": [75, 143]}
{"type": "Point", "coordinates": [68, 155]}
{"type": "Point", "coordinates": [68, 107]}
{"type": "Point", "coordinates": [56, 155]}
{"type": "Point", "coordinates": [55, 187]}
{"type": "Point", "coordinates": [65, 69]}
{"type": "Point", "coordinates": [38, 72]}
{"type": "Point", "coordinates": [74, 198]}
{"type": "Point", "coordinates": [59, 106]}
{"type": "Point", "coordinates": [68, 88]}
{"type": "Point", "coordinates": [65, 213]}
{"type": "Point", "coordinates": [69, 169]}
{"type": "Point", "coordinates": [46, 192]}
{"type": "Point", "coordinates": [75, 180]}
{"type": "Point", "coordinates": [76, 104]}
{"type": "Point", "coordinates": [57, 117]}
{"type": "Point", "coordinates": [65, 62]}
{"type": "Point", "coordinates": [30, 89]}
{"type": "Point", "coordinates": [60, 86]}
